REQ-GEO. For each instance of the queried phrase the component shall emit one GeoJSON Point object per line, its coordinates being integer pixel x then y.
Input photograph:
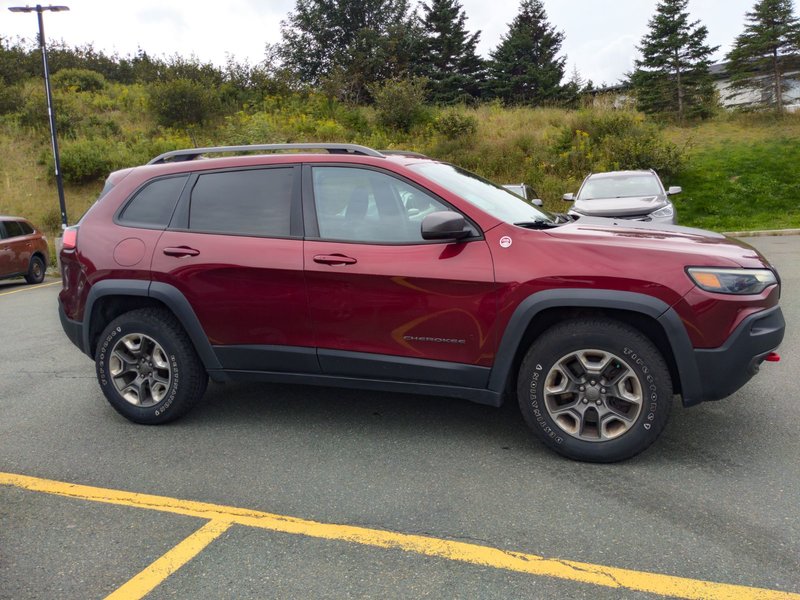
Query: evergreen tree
{"type": "Point", "coordinates": [761, 54]}
{"type": "Point", "coordinates": [525, 67]}
{"type": "Point", "coordinates": [575, 89]}
{"type": "Point", "coordinates": [673, 77]}
{"type": "Point", "coordinates": [348, 44]}
{"type": "Point", "coordinates": [449, 58]}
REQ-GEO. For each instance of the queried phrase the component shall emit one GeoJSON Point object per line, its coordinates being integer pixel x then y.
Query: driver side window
{"type": "Point", "coordinates": [361, 205]}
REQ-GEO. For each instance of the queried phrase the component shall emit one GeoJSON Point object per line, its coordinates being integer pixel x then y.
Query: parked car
{"type": "Point", "coordinates": [23, 250]}
{"type": "Point", "coordinates": [400, 273]}
{"type": "Point", "coordinates": [524, 191]}
{"type": "Point", "coordinates": [637, 195]}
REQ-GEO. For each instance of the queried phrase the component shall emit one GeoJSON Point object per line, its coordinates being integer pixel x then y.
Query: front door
{"type": "Point", "coordinates": [383, 301]}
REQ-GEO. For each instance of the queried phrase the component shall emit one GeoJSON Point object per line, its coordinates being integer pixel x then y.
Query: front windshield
{"type": "Point", "coordinates": [620, 186]}
{"type": "Point", "coordinates": [485, 195]}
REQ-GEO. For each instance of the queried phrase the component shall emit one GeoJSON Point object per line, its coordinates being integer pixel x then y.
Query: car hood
{"type": "Point", "coordinates": [701, 247]}
{"type": "Point", "coordinates": [620, 207]}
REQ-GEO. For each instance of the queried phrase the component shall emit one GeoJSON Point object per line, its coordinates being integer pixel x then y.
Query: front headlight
{"type": "Point", "coordinates": [661, 213]}
{"type": "Point", "coordinates": [732, 281]}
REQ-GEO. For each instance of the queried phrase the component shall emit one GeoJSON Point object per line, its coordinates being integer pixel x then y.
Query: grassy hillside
{"type": "Point", "coordinates": [742, 173]}
{"type": "Point", "coordinates": [738, 171]}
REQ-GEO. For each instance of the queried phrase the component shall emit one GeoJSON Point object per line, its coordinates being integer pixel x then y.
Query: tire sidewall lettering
{"type": "Point", "coordinates": [649, 412]}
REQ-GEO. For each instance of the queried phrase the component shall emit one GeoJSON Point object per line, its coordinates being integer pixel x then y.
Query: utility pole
{"type": "Point", "coordinates": [39, 9]}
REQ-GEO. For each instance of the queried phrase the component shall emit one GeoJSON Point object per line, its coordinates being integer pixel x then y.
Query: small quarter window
{"type": "Point", "coordinates": [26, 228]}
{"type": "Point", "coordinates": [253, 202]}
{"type": "Point", "coordinates": [153, 204]}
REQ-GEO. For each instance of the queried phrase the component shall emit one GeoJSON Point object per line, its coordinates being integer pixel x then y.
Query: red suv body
{"type": "Point", "coordinates": [23, 250]}
{"type": "Point", "coordinates": [396, 272]}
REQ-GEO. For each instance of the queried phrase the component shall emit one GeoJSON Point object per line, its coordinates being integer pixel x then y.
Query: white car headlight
{"type": "Point", "coordinates": [664, 212]}
{"type": "Point", "coordinates": [732, 281]}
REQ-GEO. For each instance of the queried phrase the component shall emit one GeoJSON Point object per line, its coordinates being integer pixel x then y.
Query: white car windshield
{"type": "Point", "coordinates": [485, 195]}
{"type": "Point", "coordinates": [620, 186]}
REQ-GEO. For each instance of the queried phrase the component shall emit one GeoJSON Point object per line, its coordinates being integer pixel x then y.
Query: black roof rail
{"type": "Point", "coordinates": [193, 153]}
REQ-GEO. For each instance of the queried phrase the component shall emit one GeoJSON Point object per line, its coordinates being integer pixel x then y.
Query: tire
{"type": "Point", "coordinates": [595, 390]}
{"type": "Point", "coordinates": [36, 271]}
{"type": "Point", "coordinates": [147, 367]}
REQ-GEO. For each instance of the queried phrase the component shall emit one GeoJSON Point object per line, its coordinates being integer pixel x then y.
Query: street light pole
{"type": "Point", "coordinates": [39, 9]}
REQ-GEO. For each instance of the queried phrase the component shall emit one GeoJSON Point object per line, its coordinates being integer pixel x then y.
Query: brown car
{"type": "Point", "coordinates": [23, 250]}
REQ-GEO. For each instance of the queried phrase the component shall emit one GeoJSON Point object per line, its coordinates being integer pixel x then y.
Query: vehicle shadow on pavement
{"type": "Point", "coordinates": [338, 410]}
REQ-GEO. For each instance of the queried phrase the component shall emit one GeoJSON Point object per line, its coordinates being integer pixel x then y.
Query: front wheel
{"type": "Point", "coordinates": [595, 390]}
{"type": "Point", "coordinates": [148, 368]}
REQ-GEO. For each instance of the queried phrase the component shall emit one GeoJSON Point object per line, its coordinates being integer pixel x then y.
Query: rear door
{"type": "Point", "coordinates": [5, 252]}
{"type": "Point", "coordinates": [234, 250]}
{"type": "Point", "coordinates": [16, 248]}
{"type": "Point", "coordinates": [384, 302]}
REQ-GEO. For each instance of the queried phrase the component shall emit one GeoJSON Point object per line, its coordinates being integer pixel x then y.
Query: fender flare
{"type": "Point", "coordinates": [168, 295]}
{"type": "Point", "coordinates": [654, 308]}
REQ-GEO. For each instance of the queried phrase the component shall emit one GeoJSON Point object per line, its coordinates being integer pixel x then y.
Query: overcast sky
{"type": "Point", "coordinates": [601, 35]}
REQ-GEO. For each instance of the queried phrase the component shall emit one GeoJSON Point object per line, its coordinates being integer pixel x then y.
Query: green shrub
{"type": "Point", "coordinates": [454, 124]}
{"type": "Point", "coordinates": [10, 98]}
{"type": "Point", "coordinates": [613, 140]}
{"type": "Point", "coordinates": [33, 111]}
{"type": "Point", "coordinates": [400, 103]}
{"type": "Point", "coordinates": [51, 219]}
{"type": "Point", "coordinates": [644, 152]}
{"type": "Point", "coordinates": [329, 130]}
{"type": "Point", "coordinates": [103, 127]}
{"type": "Point", "coordinates": [243, 128]}
{"type": "Point", "coordinates": [85, 160]}
{"type": "Point", "coordinates": [78, 80]}
{"type": "Point", "coordinates": [182, 102]}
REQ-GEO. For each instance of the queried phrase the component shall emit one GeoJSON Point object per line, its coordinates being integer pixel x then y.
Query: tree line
{"type": "Point", "coordinates": [352, 49]}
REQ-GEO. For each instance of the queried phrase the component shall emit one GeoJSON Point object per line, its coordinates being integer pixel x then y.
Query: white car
{"type": "Point", "coordinates": [635, 195]}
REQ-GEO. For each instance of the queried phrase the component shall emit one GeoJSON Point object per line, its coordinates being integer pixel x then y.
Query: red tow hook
{"type": "Point", "coordinates": [773, 357]}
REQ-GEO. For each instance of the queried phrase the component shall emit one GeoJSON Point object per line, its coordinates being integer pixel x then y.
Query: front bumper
{"type": "Point", "coordinates": [724, 370]}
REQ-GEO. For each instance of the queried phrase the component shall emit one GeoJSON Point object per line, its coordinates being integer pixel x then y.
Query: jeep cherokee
{"type": "Point", "coordinates": [351, 267]}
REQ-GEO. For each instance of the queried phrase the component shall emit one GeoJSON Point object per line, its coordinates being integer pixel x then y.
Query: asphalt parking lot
{"type": "Point", "coordinates": [277, 491]}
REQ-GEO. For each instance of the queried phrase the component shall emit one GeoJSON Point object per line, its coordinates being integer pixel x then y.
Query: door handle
{"type": "Point", "coordinates": [334, 259]}
{"type": "Point", "coordinates": [181, 251]}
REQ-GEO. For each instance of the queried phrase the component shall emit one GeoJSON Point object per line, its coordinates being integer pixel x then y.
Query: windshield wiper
{"type": "Point", "coordinates": [538, 224]}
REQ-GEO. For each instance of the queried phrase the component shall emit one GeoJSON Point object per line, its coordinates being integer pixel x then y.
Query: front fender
{"type": "Point", "coordinates": [649, 306]}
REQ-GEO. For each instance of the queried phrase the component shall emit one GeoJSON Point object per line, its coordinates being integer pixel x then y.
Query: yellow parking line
{"type": "Point", "coordinates": [28, 289]}
{"type": "Point", "coordinates": [143, 583]}
{"type": "Point", "coordinates": [612, 577]}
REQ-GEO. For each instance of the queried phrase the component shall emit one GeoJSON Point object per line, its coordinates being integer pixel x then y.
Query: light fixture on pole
{"type": "Point", "coordinates": [39, 9]}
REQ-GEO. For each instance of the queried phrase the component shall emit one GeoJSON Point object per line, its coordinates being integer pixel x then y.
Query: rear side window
{"type": "Point", "coordinates": [254, 202]}
{"type": "Point", "coordinates": [13, 229]}
{"type": "Point", "coordinates": [152, 206]}
{"type": "Point", "coordinates": [26, 229]}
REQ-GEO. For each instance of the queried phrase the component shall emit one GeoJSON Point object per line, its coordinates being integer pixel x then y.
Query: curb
{"type": "Point", "coordinates": [768, 232]}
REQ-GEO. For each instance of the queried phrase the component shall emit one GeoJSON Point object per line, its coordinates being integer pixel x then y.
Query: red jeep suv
{"type": "Point", "coordinates": [392, 271]}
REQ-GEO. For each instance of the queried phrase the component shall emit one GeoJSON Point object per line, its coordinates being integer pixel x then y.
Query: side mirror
{"type": "Point", "coordinates": [568, 197]}
{"type": "Point", "coordinates": [537, 202]}
{"type": "Point", "coordinates": [444, 225]}
{"type": "Point", "coordinates": [675, 189]}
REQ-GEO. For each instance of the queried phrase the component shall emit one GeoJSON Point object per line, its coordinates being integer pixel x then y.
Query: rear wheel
{"type": "Point", "coordinates": [148, 368]}
{"type": "Point", "coordinates": [595, 390]}
{"type": "Point", "coordinates": [36, 271]}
